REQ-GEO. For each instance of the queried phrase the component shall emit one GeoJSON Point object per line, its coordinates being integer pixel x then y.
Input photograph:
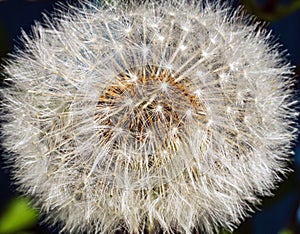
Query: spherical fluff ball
{"type": "Point", "coordinates": [169, 117]}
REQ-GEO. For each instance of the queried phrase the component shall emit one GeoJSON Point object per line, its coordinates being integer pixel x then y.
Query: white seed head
{"type": "Point", "coordinates": [170, 116]}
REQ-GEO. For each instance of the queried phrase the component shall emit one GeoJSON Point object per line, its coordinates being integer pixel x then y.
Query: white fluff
{"type": "Point", "coordinates": [173, 117]}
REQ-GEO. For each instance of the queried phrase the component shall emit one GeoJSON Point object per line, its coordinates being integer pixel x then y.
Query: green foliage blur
{"type": "Point", "coordinates": [18, 217]}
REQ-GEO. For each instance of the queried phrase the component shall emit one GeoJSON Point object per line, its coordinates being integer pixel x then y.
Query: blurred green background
{"type": "Point", "coordinates": [278, 215]}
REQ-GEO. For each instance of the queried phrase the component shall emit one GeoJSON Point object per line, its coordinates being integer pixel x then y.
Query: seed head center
{"type": "Point", "coordinates": [148, 110]}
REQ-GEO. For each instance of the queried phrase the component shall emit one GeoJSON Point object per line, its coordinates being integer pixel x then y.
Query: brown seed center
{"type": "Point", "coordinates": [146, 111]}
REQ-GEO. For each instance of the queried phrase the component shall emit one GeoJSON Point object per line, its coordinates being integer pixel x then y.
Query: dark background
{"type": "Point", "coordinates": [279, 214]}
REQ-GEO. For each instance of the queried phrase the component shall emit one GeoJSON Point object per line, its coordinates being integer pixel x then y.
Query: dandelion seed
{"type": "Point", "coordinates": [162, 117]}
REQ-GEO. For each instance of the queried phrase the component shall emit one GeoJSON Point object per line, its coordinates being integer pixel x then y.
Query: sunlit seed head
{"type": "Point", "coordinates": [156, 117]}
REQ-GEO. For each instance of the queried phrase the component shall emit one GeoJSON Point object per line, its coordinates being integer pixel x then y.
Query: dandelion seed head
{"type": "Point", "coordinates": [168, 117]}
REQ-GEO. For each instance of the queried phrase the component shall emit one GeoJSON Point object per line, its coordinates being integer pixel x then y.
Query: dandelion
{"type": "Point", "coordinates": [158, 117]}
